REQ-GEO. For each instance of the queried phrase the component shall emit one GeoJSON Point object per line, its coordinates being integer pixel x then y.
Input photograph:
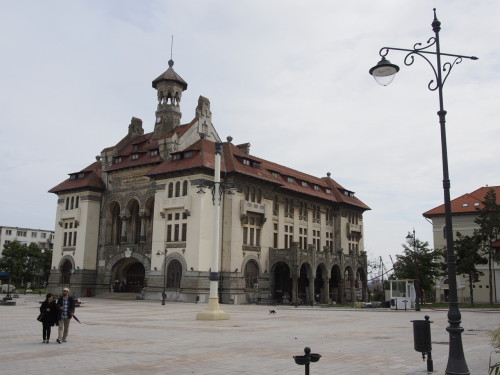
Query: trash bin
{"type": "Point", "coordinates": [422, 335]}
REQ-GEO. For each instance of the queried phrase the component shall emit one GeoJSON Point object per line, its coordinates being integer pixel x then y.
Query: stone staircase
{"type": "Point", "coordinates": [121, 296]}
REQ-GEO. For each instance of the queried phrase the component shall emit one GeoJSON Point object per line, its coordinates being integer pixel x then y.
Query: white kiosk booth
{"type": "Point", "coordinates": [401, 294]}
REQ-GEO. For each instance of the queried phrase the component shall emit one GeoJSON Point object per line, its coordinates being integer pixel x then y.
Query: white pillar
{"type": "Point", "coordinates": [213, 311]}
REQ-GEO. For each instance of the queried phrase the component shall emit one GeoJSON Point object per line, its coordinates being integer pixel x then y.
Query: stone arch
{"type": "Point", "coordinates": [113, 223]}
{"type": "Point", "coordinates": [305, 286]}
{"type": "Point", "coordinates": [281, 281]}
{"type": "Point", "coordinates": [251, 271]}
{"type": "Point", "coordinates": [321, 284]}
{"type": "Point", "coordinates": [336, 286]}
{"type": "Point", "coordinates": [66, 266]}
{"type": "Point", "coordinates": [133, 220]}
{"type": "Point", "coordinates": [349, 284]}
{"type": "Point", "coordinates": [120, 257]}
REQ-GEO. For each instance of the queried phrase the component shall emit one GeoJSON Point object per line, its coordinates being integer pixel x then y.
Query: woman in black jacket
{"type": "Point", "coordinates": [49, 311]}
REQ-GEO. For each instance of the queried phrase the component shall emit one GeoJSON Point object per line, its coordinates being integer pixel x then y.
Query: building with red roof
{"type": "Point", "coordinates": [464, 213]}
{"type": "Point", "coordinates": [140, 225]}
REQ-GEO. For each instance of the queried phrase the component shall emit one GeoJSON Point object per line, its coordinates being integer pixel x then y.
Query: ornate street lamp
{"type": "Point", "coordinates": [163, 293]}
{"type": "Point", "coordinates": [384, 71]}
{"type": "Point", "coordinates": [412, 240]}
{"type": "Point", "coordinates": [213, 311]}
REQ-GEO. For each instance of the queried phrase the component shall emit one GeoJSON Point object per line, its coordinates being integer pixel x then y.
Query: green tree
{"type": "Point", "coordinates": [489, 231]}
{"type": "Point", "coordinates": [468, 252]}
{"type": "Point", "coordinates": [422, 260]}
{"type": "Point", "coordinates": [25, 263]}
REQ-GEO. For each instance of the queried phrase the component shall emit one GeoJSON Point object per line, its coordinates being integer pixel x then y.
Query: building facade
{"type": "Point", "coordinates": [26, 236]}
{"type": "Point", "coordinates": [464, 213]}
{"type": "Point", "coordinates": [135, 221]}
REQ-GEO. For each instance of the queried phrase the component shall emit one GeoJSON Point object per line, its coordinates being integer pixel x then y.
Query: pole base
{"type": "Point", "coordinates": [213, 311]}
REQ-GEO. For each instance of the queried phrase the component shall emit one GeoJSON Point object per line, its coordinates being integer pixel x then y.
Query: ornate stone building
{"type": "Point", "coordinates": [134, 221]}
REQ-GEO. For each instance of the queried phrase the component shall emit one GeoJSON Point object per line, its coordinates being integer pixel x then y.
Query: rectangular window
{"type": "Point", "coordinates": [8, 232]}
{"type": "Point", "coordinates": [169, 233]}
{"type": "Point", "coordinates": [184, 231]}
{"type": "Point", "coordinates": [43, 235]}
{"type": "Point", "coordinates": [65, 238]}
{"type": "Point", "coordinates": [176, 232]}
{"type": "Point", "coordinates": [33, 234]}
{"type": "Point", "coordinates": [74, 238]}
{"type": "Point", "coordinates": [135, 156]}
{"type": "Point", "coordinates": [252, 231]}
{"type": "Point", "coordinates": [245, 235]}
{"type": "Point", "coordinates": [275, 240]}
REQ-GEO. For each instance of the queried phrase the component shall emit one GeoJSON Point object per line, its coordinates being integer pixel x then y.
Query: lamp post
{"type": "Point", "coordinates": [413, 240]}
{"type": "Point", "coordinates": [213, 311]}
{"type": "Point", "coordinates": [384, 73]}
{"type": "Point", "coordinates": [163, 293]}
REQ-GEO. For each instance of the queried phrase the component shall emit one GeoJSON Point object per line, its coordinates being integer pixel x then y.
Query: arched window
{"type": "Point", "coordinates": [174, 274]}
{"type": "Point", "coordinates": [251, 274]}
{"type": "Point", "coordinates": [185, 188]}
{"type": "Point", "coordinates": [259, 195]}
{"type": "Point", "coordinates": [252, 194]}
{"type": "Point", "coordinates": [170, 190]}
{"type": "Point", "coordinates": [72, 202]}
{"type": "Point", "coordinates": [178, 189]}
{"type": "Point", "coordinates": [77, 201]}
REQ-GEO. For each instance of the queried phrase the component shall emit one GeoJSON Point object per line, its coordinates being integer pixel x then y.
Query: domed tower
{"type": "Point", "coordinates": [169, 87]}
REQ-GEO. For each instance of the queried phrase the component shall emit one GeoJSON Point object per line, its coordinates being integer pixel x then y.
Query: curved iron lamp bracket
{"type": "Point", "coordinates": [420, 50]}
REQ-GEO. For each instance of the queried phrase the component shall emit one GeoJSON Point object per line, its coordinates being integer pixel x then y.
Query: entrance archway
{"type": "Point", "coordinates": [129, 276]}
{"type": "Point", "coordinates": [282, 288]}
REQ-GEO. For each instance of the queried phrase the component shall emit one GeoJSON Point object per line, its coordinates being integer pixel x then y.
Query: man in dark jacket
{"type": "Point", "coordinates": [66, 306]}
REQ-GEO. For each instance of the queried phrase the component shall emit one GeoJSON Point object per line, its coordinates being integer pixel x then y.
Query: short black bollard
{"type": "Point", "coordinates": [307, 358]}
{"type": "Point", "coordinates": [422, 340]}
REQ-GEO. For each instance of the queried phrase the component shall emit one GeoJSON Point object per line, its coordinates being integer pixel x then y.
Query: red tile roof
{"type": "Point", "coordinates": [88, 178]}
{"type": "Point", "coordinates": [466, 204]}
{"type": "Point", "coordinates": [203, 155]}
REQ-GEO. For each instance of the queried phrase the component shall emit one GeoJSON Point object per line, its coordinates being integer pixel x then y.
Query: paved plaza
{"type": "Point", "coordinates": [143, 337]}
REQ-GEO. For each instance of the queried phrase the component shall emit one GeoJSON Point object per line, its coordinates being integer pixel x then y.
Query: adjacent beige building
{"type": "Point", "coordinates": [464, 210]}
{"type": "Point", "coordinates": [134, 220]}
{"type": "Point", "coordinates": [26, 236]}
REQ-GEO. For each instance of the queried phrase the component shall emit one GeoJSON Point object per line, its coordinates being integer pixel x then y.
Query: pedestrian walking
{"type": "Point", "coordinates": [49, 312]}
{"type": "Point", "coordinates": [66, 309]}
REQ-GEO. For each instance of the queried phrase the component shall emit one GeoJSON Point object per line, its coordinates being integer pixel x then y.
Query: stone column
{"type": "Point", "coordinates": [295, 288]}
{"type": "Point", "coordinates": [311, 290]}
{"type": "Point", "coordinates": [326, 290]}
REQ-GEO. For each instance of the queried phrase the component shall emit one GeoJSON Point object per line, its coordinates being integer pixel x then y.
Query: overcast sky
{"type": "Point", "coordinates": [290, 77]}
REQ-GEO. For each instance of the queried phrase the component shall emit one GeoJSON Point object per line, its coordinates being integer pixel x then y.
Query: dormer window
{"type": "Point", "coordinates": [134, 147]}
{"type": "Point", "coordinates": [465, 204]}
{"type": "Point", "coordinates": [176, 157]}
{"type": "Point", "coordinates": [154, 153]}
{"type": "Point", "coordinates": [81, 175]}
{"type": "Point", "coordinates": [256, 164]}
{"type": "Point", "coordinates": [188, 154]}
{"type": "Point", "coordinates": [290, 179]}
{"type": "Point", "coordinates": [304, 183]}
{"type": "Point", "coordinates": [72, 176]}
{"type": "Point", "coordinates": [135, 156]}
{"type": "Point", "coordinates": [275, 174]}
{"type": "Point", "coordinates": [118, 159]}
{"type": "Point", "coordinates": [246, 161]}
{"type": "Point", "coordinates": [316, 187]}
{"type": "Point", "coordinates": [328, 191]}
{"type": "Point", "coordinates": [476, 204]}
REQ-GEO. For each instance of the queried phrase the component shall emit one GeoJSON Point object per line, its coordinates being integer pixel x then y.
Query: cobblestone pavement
{"type": "Point", "coordinates": [144, 337]}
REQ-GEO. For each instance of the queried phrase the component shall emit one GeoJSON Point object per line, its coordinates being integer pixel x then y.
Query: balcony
{"type": "Point", "coordinates": [177, 202]}
{"type": "Point", "coordinates": [354, 228]}
{"type": "Point", "coordinates": [71, 214]}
